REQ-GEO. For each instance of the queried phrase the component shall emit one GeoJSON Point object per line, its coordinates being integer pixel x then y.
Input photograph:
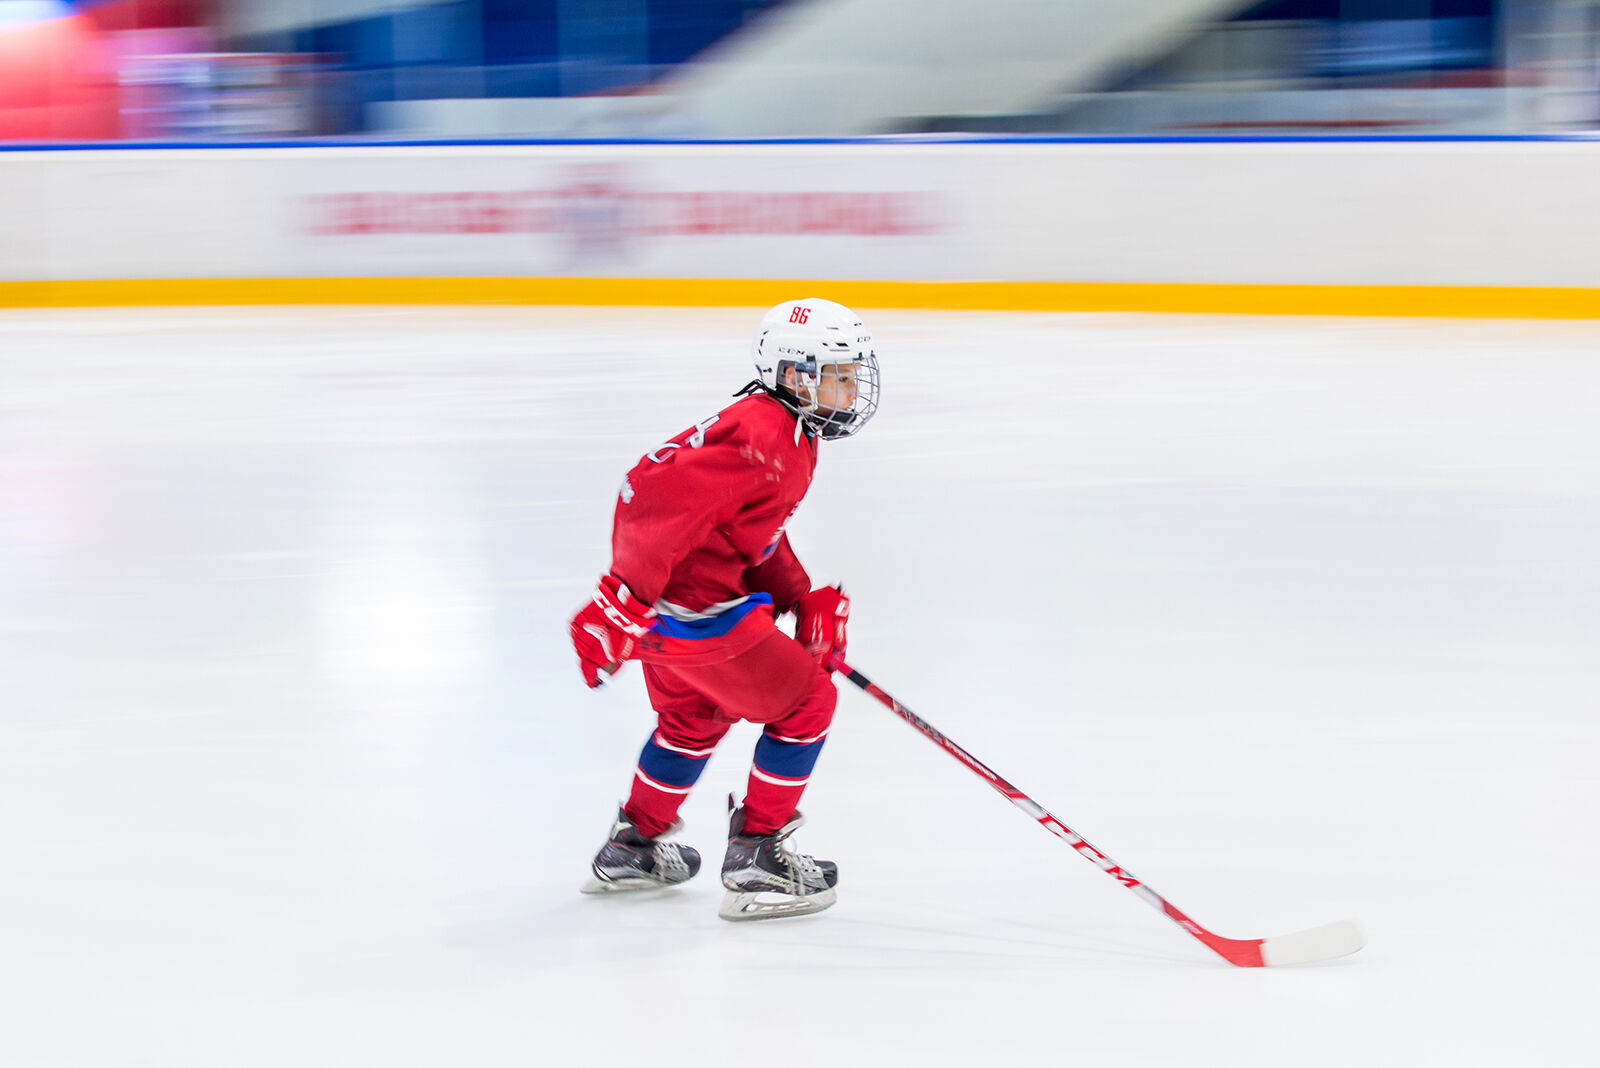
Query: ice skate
{"type": "Point", "coordinates": [630, 861]}
{"type": "Point", "coordinates": [766, 879]}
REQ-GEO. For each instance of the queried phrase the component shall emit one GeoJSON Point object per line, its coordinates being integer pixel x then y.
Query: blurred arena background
{"type": "Point", "coordinates": [1412, 157]}
{"type": "Point", "coordinates": [243, 69]}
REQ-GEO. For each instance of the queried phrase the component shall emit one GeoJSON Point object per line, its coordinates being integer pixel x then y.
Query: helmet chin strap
{"type": "Point", "coordinates": [808, 412]}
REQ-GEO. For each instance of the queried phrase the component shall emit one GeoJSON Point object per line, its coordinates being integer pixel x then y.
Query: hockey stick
{"type": "Point", "coordinates": [1303, 947]}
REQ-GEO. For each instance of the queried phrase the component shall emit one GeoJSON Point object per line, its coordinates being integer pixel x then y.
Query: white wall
{"type": "Point", "coordinates": [1373, 213]}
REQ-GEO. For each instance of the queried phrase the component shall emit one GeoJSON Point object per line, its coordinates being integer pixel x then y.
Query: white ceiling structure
{"type": "Point", "coordinates": [838, 67]}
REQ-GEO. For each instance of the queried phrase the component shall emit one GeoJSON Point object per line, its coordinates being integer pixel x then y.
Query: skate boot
{"type": "Point", "coordinates": [766, 880]}
{"type": "Point", "coordinates": [630, 861]}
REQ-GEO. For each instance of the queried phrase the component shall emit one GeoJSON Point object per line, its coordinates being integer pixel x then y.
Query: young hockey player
{"type": "Point", "coordinates": [700, 568]}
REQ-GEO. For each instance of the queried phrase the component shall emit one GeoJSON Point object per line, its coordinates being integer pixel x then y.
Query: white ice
{"type": "Point", "coordinates": [1296, 619]}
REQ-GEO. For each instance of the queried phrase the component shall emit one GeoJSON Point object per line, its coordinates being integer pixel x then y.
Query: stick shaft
{"type": "Point", "coordinates": [1245, 952]}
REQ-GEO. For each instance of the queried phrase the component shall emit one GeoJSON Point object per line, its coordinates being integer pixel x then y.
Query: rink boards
{"type": "Point", "coordinates": [1394, 227]}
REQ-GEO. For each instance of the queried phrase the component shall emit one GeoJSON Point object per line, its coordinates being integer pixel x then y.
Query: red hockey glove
{"type": "Point", "coordinates": [820, 618]}
{"type": "Point", "coordinates": [604, 630]}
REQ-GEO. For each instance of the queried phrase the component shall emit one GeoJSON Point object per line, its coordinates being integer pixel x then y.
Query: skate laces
{"type": "Point", "coordinates": [669, 860]}
{"type": "Point", "coordinates": [802, 867]}
{"type": "Point", "coordinates": [669, 855]}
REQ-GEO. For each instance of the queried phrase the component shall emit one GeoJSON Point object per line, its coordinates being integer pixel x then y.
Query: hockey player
{"type": "Point", "coordinates": [700, 568]}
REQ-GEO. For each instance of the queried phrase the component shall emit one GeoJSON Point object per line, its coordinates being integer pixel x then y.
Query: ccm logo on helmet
{"type": "Point", "coordinates": [799, 315]}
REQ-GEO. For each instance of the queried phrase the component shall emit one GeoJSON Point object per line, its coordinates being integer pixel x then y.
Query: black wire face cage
{"type": "Point", "coordinates": [843, 424]}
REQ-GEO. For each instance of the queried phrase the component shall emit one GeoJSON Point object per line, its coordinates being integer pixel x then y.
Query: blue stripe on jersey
{"type": "Point", "coordinates": [714, 627]}
{"type": "Point", "coordinates": [669, 768]}
{"type": "Point", "coordinates": [787, 760]}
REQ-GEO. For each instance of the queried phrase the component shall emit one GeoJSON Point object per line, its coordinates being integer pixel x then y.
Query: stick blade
{"type": "Point", "coordinates": [1307, 947]}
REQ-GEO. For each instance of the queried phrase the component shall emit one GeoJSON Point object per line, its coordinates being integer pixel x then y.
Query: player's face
{"type": "Point", "coordinates": [836, 392]}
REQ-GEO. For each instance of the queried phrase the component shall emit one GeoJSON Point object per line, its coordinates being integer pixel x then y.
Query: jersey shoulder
{"type": "Point", "coordinates": [754, 431]}
{"type": "Point", "coordinates": [759, 419]}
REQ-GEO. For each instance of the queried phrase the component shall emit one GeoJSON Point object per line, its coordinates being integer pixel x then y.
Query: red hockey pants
{"type": "Point", "coordinates": [774, 682]}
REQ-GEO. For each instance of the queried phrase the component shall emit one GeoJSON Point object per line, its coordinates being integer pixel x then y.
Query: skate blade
{"type": "Point", "coordinates": [597, 885]}
{"type": "Point", "coordinates": [739, 907]}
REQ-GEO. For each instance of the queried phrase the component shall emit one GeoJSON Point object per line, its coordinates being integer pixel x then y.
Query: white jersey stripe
{"type": "Point", "coordinates": [798, 741]}
{"type": "Point", "coordinates": [688, 615]}
{"type": "Point", "coordinates": [775, 780]}
{"type": "Point", "coordinates": [663, 787]}
{"type": "Point", "coordinates": [663, 743]}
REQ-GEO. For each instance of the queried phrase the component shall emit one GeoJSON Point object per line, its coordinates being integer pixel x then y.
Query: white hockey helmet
{"type": "Point", "coordinates": [808, 335]}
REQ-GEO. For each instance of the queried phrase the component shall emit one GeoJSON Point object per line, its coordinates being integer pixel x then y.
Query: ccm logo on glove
{"type": "Point", "coordinates": [604, 630]}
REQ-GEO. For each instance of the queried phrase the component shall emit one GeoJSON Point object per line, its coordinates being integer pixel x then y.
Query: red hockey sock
{"type": "Point", "coordinates": [652, 811]}
{"type": "Point", "coordinates": [768, 806]}
{"type": "Point", "coordinates": [666, 773]}
{"type": "Point", "coordinates": [778, 775]}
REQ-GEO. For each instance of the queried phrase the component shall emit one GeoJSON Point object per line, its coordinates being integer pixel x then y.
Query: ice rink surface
{"type": "Point", "coordinates": [1297, 619]}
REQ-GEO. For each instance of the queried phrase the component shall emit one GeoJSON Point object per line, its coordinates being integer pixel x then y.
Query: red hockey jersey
{"type": "Point", "coordinates": [699, 523]}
